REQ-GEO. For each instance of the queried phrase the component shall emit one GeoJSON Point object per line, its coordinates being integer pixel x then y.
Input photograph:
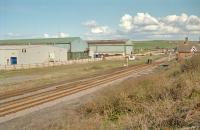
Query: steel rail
{"type": "Point", "coordinates": [12, 108]}
{"type": "Point", "coordinates": [65, 88]}
{"type": "Point", "coordinates": [21, 92]}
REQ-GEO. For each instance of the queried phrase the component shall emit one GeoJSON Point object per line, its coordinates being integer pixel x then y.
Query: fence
{"type": "Point", "coordinates": [50, 64]}
{"type": "Point", "coordinates": [77, 55]}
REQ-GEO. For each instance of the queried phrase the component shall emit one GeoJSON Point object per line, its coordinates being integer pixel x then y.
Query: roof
{"type": "Point", "coordinates": [115, 42]}
{"type": "Point", "coordinates": [17, 47]}
{"type": "Point", "coordinates": [187, 47]}
{"type": "Point", "coordinates": [39, 41]}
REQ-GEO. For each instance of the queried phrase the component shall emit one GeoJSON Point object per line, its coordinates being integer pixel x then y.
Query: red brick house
{"type": "Point", "coordinates": [186, 51]}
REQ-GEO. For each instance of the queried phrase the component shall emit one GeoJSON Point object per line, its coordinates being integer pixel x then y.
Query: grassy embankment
{"type": "Point", "coordinates": [30, 78]}
{"type": "Point", "coordinates": [168, 99]}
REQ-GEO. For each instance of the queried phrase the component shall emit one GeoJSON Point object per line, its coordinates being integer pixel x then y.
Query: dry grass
{"type": "Point", "coordinates": [32, 78]}
{"type": "Point", "coordinates": [36, 77]}
{"type": "Point", "coordinates": [166, 100]}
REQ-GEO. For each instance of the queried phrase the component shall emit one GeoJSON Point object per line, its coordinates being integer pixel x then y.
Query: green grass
{"type": "Point", "coordinates": [43, 76]}
{"type": "Point", "coordinates": [153, 44]}
{"type": "Point", "coordinates": [143, 59]}
{"type": "Point", "coordinates": [72, 69]}
{"type": "Point", "coordinates": [49, 75]}
{"type": "Point", "coordinates": [62, 70]}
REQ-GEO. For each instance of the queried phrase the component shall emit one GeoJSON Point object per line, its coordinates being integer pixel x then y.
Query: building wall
{"type": "Point", "coordinates": [183, 55]}
{"type": "Point", "coordinates": [6, 54]}
{"type": "Point", "coordinates": [42, 54]}
{"type": "Point", "coordinates": [75, 46]}
{"type": "Point", "coordinates": [33, 54]}
{"type": "Point", "coordinates": [129, 50]}
{"type": "Point", "coordinates": [110, 49]}
{"type": "Point", "coordinates": [79, 46]}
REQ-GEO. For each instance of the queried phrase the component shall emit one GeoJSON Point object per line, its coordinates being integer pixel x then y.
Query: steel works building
{"type": "Point", "coordinates": [31, 51]}
{"type": "Point", "coordinates": [36, 51]}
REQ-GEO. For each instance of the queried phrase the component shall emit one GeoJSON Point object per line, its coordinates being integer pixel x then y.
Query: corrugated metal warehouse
{"type": "Point", "coordinates": [110, 47]}
{"type": "Point", "coordinates": [31, 54]}
{"type": "Point", "coordinates": [29, 51]}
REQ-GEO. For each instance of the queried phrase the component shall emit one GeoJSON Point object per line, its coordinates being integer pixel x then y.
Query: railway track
{"type": "Point", "coordinates": [12, 106]}
{"type": "Point", "coordinates": [24, 91]}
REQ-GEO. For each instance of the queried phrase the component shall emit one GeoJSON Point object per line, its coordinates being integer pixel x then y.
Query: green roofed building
{"type": "Point", "coordinates": [73, 44]}
{"type": "Point", "coordinates": [29, 51]}
{"type": "Point", "coordinates": [110, 47]}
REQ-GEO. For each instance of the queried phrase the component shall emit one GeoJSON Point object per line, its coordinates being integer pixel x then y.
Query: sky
{"type": "Point", "coordinates": [100, 19]}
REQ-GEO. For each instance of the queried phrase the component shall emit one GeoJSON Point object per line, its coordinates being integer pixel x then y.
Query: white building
{"type": "Point", "coordinates": [34, 51]}
{"type": "Point", "coordinates": [31, 54]}
{"type": "Point", "coordinates": [110, 47]}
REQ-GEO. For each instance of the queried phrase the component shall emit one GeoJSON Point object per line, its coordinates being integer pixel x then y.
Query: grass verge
{"type": "Point", "coordinates": [169, 99]}
{"type": "Point", "coordinates": [32, 78]}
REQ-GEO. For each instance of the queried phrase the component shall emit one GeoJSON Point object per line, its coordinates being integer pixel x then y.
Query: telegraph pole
{"type": "Point", "coordinates": [199, 39]}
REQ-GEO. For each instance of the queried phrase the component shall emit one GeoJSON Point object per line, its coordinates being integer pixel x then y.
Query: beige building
{"type": "Point", "coordinates": [31, 54]}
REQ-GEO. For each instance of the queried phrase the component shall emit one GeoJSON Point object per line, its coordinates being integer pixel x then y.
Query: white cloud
{"type": "Point", "coordinates": [11, 34]}
{"type": "Point", "coordinates": [151, 28]}
{"type": "Point", "coordinates": [146, 26]}
{"type": "Point", "coordinates": [142, 19]}
{"type": "Point", "coordinates": [95, 28]}
{"type": "Point", "coordinates": [59, 35]}
{"type": "Point", "coordinates": [101, 30]}
{"type": "Point", "coordinates": [169, 25]}
{"type": "Point", "coordinates": [91, 23]}
{"type": "Point", "coordinates": [193, 23]}
{"type": "Point", "coordinates": [175, 19]}
{"type": "Point", "coordinates": [62, 35]}
{"type": "Point", "coordinates": [129, 23]}
{"type": "Point", "coordinates": [167, 29]}
{"type": "Point", "coordinates": [126, 22]}
{"type": "Point", "coordinates": [46, 35]}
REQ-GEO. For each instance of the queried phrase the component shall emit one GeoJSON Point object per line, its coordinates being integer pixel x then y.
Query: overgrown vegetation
{"type": "Point", "coordinates": [169, 99]}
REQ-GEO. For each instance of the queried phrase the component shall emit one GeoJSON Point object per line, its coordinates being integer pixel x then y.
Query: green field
{"type": "Point", "coordinates": [153, 44]}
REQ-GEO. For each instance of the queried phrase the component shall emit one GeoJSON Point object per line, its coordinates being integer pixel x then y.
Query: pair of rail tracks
{"type": "Point", "coordinates": [59, 91]}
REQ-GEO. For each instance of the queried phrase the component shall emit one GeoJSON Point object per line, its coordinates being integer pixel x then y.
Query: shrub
{"type": "Point", "coordinates": [191, 64]}
{"type": "Point", "coordinates": [165, 100]}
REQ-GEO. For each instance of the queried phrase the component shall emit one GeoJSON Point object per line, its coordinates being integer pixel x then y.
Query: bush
{"type": "Point", "coordinates": [191, 64]}
{"type": "Point", "coordinates": [169, 99]}
{"type": "Point", "coordinates": [165, 100]}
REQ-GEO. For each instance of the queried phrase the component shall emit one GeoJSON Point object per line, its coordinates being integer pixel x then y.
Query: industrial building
{"type": "Point", "coordinates": [110, 47]}
{"type": "Point", "coordinates": [30, 51]}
